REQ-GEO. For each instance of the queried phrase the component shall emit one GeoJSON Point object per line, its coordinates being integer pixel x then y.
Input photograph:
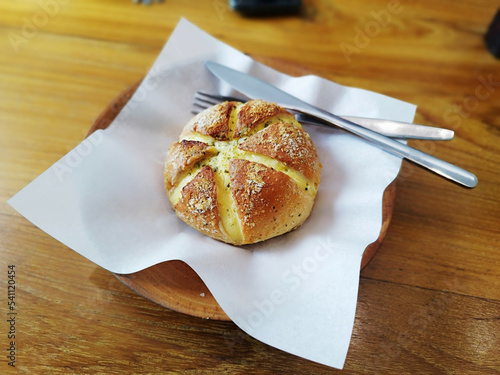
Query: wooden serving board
{"type": "Point", "coordinates": [174, 284]}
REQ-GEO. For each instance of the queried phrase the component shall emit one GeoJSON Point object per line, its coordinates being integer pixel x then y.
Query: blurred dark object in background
{"type": "Point", "coordinates": [265, 7]}
{"type": "Point", "coordinates": [492, 37]}
{"type": "Point", "coordinates": [146, 2]}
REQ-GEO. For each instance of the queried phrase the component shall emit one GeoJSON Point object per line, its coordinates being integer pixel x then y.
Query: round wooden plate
{"type": "Point", "coordinates": [174, 284]}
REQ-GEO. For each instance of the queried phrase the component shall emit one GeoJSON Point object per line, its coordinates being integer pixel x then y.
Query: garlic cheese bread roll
{"type": "Point", "coordinates": [243, 173]}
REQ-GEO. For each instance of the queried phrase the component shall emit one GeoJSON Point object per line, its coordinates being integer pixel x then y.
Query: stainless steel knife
{"type": "Point", "coordinates": [256, 88]}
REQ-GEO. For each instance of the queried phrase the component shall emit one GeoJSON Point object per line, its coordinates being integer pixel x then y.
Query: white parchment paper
{"type": "Point", "coordinates": [105, 199]}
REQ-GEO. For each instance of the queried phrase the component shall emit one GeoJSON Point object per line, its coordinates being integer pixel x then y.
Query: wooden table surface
{"type": "Point", "coordinates": [429, 302]}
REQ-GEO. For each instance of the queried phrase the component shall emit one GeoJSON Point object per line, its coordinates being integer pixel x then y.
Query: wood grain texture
{"type": "Point", "coordinates": [428, 301]}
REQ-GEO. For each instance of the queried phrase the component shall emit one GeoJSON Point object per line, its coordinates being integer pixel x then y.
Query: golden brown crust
{"type": "Point", "coordinates": [288, 144]}
{"type": "Point", "coordinates": [243, 191]}
{"type": "Point", "coordinates": [269, 203]}
{"type": "Point", "coordinates": [198, 204]}
{"type": "Point", "coordinates": [253, 113]}
{"type": "Point", "coordinates": [213, 121]}
{"type": "Point", "coordinates": [181, 156]}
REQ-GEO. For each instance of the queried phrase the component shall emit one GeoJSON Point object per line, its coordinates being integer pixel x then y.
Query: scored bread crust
{"type": "Point", "coordinates": [269, 203]}
{"type": "Point", "coordinates": [243, 173]}
{"type": "Point", "coordinates": [181, 156]}
{"type": "Point", "coordinates": [254, 113]}
{"type": "Point", "coordinates": [198, 205]}
{"type": "Point", "coordinates": [295, 148]}
{"type": "Point", "coordinates": [213, 122]}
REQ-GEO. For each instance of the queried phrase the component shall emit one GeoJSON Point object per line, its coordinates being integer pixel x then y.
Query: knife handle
{"type": "Point", "coordinates": [438, 166]}
{"type": "Point", "coordinates": [389, 128]}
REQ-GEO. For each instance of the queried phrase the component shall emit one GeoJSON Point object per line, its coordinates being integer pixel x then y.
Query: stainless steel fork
{"type": "Point", "coordinates": [395, 129]}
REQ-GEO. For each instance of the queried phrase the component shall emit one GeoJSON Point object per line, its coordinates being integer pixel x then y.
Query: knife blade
{"type": "Point", "coordinates": [256, 88]}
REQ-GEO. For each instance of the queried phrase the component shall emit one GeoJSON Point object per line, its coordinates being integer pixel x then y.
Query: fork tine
{"type": "Point", "coordinates": [207, 96]}
{"type": "Point", "coordinates": [203, 100]}
{"type": "Point", "coordinates": [202, 104]}
{"type": "Point", "coordinates": [218, 98]}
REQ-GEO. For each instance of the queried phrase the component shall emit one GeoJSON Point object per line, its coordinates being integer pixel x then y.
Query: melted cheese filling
{"type": "Point", "coordinates": [200, 137]}
{"type": "Point", "coordinates": [227, 150]}
{"type": "Point", "coordinates": [288, 119]}
{"type": "Point", "coordinates": [227, 207]}
{"type": "Point", "coordinates": [175, 194]}
{"type": "Point", "coordinates": [233, 119]}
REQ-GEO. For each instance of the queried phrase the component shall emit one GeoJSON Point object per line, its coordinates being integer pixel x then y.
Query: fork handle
{"type": "Point", "coordinates": [438, 166]}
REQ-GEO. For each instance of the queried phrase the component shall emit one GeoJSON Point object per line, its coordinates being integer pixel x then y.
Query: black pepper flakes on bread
{"type": "Point", "coordinates": [243, 173]}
